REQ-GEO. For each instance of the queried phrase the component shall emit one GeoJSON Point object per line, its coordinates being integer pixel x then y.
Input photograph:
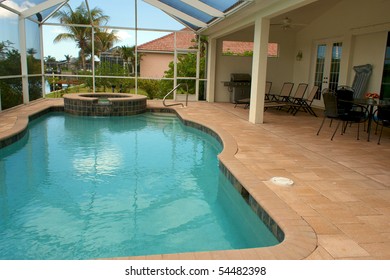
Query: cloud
{"type": "Point", "coordinates": [123, 35]}
{"type": "Point", "coordinates": [18, 7]}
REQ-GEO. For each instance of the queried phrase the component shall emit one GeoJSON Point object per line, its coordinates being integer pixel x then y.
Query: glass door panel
{"type": "Point", "coordinates": [327, 67]}
{"type": "Point", "coordinates": [335, 65]}
{"type": "Point", "coordinates": [319, 72]}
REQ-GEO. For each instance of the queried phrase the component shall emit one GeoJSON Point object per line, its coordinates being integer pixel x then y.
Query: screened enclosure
{"type": "Point", "coordinates": [52, 47]}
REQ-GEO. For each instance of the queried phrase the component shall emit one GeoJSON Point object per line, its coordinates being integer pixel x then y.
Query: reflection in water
{"type": "Point", "coordinates": [97, 162]}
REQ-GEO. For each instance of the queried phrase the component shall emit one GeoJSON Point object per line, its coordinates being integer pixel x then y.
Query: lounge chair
{"type": "Point", "coordinates": [284, 94]}
{"type": "Point", "coordinates": [268, 86]}
{"type": "Point", "coordinates": [280, 100]}
{"type": "Point", "coordinates": [305, 103]}
{"type": "Point", "coordinates": [295, 100]}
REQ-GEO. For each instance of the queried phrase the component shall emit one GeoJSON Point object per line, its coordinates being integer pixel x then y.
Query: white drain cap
{"type": "Point", "coordinates": [282, 181]}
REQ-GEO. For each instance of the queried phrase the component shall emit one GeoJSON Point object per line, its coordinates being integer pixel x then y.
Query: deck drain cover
{"type": "Point", "coordinates": [282, 181]}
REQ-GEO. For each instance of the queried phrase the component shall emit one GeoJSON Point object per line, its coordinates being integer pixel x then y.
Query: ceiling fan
{"type": "Point", "coordinates": [287, 23]}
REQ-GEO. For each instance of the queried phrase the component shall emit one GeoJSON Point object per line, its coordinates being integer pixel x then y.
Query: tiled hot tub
{"type": "Point", "coordinates": [104, 104]}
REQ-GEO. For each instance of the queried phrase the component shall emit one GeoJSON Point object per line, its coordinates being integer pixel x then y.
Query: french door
{"type": "Point", "coordinates": [327, 67]}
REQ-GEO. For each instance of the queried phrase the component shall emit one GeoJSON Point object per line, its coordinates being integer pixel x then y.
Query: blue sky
{"type": "Point", "coordinates": [121, 14]}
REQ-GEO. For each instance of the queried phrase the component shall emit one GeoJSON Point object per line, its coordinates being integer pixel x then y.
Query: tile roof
{"type": "Point", "coordinates": [184, 40]}
{"type": "Point", "coordinates": [237, 47]}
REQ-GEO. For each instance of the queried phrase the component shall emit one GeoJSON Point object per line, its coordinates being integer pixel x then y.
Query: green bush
{"type": "Point", "coordinates": [152, 88]}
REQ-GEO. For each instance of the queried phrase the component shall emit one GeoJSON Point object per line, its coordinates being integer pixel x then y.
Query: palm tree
{"type": "Point", "coordinates": [68, 57]}
{"type": "Point", "coordinates": [75, 24]}
{"type": "Point", "coordinates": [128, 55]}
{"type": "Point", "coordinates": [104, 40]}
{"type": "Point", "coordinates": [5, 46]}
{"type": "Point", "coordinates": [31, 51]}
{"type": "Point", "coordinates": [50, 58]}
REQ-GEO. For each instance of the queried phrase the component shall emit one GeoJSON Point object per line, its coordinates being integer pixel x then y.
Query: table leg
{"type": "Point", "coordinates": [370, 116]}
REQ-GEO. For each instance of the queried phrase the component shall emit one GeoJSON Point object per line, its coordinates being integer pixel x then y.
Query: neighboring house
{"type": "Point", "coordinates": [157, 54]}
{"type": "Point", "coordinates": [111, 56]}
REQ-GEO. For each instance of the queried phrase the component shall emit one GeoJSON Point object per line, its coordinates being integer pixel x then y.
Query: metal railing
{"type": "Point", "coordinates": [174, 104]}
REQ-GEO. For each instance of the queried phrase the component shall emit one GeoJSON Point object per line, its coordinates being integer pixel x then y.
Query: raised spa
{"type": "Point", "coordinates": [104, 104]}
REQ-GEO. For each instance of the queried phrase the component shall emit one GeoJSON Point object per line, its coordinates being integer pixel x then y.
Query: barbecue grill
{"type": "Point", "coordinates": [239, 86]}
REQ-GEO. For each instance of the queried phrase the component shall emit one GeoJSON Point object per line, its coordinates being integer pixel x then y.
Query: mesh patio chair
{"type": "Point", "coordinates": [268, 86]}
{"type": "Point", "coordinates": [299, 94]}
{"type": "Point", "coordinates": [342, 112]}
{"type": "Point", "coordinates": [344, 98]}
{"type": "Point", "coordinates": [349, 111]}
{"type": "Point", "coordinates": [284, 93]}
{"type": "Point", "coordinates": [330, 112]}
{"type": "Point", "coordinates": [280, 100]}
{"type": "Point", "coordinates": [305, 103]}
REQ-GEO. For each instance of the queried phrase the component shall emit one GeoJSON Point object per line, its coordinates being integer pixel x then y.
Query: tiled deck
{"type": "Point", "coordinates": [339, 205]}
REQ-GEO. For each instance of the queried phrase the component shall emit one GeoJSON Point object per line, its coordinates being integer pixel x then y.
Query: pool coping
{"type": "Point", "coordinates": [299, 241]}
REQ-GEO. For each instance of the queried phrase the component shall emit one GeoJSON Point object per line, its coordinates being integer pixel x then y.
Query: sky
{"type": "Point", "coordinates": [121, 13]}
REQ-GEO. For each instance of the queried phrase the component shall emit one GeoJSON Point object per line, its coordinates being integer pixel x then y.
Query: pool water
{"type": "Point", "coordinates": [89, 187]}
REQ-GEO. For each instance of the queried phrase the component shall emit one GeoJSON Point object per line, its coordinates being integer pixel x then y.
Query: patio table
{"type": "Point", "coordinates": [370, 103]}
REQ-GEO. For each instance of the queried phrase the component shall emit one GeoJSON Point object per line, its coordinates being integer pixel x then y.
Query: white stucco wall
{"type": "Point", "coordinates": [280, 69]}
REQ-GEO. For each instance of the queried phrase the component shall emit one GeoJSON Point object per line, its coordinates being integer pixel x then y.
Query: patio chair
{"type": "Point", "coordinates": [305, 103]}
{"type": "Point", "coordinates": [268, 86]}
{"type": "Point", "coordinates": [350, 110]}
{"type": "Point", "coordinates": [284, 94]}
{"type": "Point", "coordinates": [344, 98]}
{"type": "Point", "coordinates": [298, 96]}
{"type": "Point", "coordinates": [382, 118]}
{"type": "Point", "coordinates": [342, 112]}
{"type": "Point", "coordinates": [279, 100]}
{"type": "Point", "coordinates": [330, 112]}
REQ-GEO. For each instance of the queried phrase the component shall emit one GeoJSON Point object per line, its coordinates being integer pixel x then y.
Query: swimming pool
{"type": "Point", "coordinates": [83, 187]}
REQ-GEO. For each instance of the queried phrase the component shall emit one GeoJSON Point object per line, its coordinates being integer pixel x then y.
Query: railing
{"type": "Point", "coordinates": [174, 104]}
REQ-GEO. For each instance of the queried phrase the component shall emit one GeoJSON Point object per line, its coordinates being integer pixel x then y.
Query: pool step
{"type": "Point", "coordinates": [159, 116]}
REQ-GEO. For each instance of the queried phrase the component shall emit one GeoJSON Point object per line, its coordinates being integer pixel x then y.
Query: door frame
{"type": "Point", "coordinates": [329, 43]}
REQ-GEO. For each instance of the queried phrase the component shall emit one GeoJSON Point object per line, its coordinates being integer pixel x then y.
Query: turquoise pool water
{"type": "Point", "coordinates": [85, 188]}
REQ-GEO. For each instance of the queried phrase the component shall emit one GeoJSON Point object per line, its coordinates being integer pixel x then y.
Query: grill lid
{"type": "Point", "coordinates": [240, 77]}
